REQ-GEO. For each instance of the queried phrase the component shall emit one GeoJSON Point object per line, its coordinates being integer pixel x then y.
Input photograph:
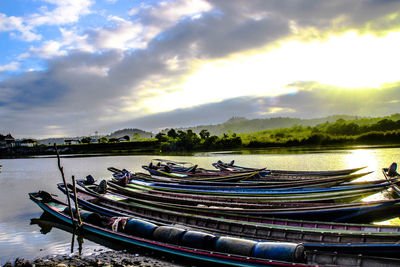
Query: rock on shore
{"type": "Point", "coordinates": [108, 258]}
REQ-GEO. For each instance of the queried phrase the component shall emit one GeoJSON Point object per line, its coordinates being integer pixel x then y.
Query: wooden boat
{"type": "Point", "coordinates": [273, 183]}
{"type": "Point", "coordinates": [179, 166]}
{"type": "Point", "coordinates": [307, 192]}
{"type": "Point", "coordinates": [195, 199]}
{"type": "Point", "coordinates": [320, 258]}
{"type": "Point", "coordinates": [390, 174]}
{"type": "Point", "coordinates": [301, 184]}
{"type": "Point", "coordinates": [346, 196]}
{"type": "Point", "coordinates": [215, 176]}
{"type": "Point", "coordinates": [231, 167]}
{"type": "Point", "coordinates": [352, 212]}
{"type": "Point", "coordinates": [356, 211]}
{"type": "Point", "coordinates": [179, 241]}
{"type": "Point", "coordinates": [343, 237]}
{"type": "Point", "coordinates": [199, 174]}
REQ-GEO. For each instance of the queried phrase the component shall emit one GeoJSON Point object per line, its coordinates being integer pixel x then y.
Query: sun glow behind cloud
{"type": "Point", "coordinates": [349, 60]}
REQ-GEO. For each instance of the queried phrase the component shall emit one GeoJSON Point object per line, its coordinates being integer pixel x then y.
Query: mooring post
{"type": "Point", "coordinates": [65, 184]}
{"type": "Point", "coordinates": [78, 215]}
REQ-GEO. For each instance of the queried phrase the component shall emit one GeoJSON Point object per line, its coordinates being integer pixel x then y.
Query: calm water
{"type": "Point", "coordinates": [20, 176]}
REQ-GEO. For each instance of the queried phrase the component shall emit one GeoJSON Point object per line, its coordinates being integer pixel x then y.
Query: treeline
{"type": "Point", "coordinates": [188, 140]}
{"type": "Point", "coordinates": [341, 127]}
{"type": "Point", "coordinates": [322, 139]}
{"type": "Point", "coordinates": [340, 132]}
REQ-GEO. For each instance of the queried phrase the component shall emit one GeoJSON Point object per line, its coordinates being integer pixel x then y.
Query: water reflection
{"type": "Point", "coordinates": [48, 224]}
{"type": "Point", "coordinates": [364, 157]}
{"type": "Point", "coordinates": [20, 176]}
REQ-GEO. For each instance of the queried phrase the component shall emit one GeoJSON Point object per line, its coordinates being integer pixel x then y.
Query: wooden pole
{"type": "Point", "coordinates": [65, 184]}
{"type": "Point", "coordinates": [78, 215]}
{"type": "Point", "coordinates": [73, 241]}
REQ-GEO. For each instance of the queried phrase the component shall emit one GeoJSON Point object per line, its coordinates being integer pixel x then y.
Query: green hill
{"type": "Point", "coordinates": [131, 132]}
{"type": "Point", "coordinates": [243, 125]}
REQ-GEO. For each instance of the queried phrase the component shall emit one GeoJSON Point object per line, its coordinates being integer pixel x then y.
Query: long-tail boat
{"type": "Point", "coordinates": [349, 238]}
{"type": "Point", "coordinates": [203, 176]}
{"type": "Point", "coordinates": [177, 198]}
{"type": "Point", "coordinates": [169, 168]}
{"type": "Point", "coordinates": [231, 167]}
{"type": "Point", "coordinates": [250, 192]}
{"type": "Point", "coordinates": [180, 241]}
{"type": "Point", "coordinates": [320, 258]}
{"type": "Point", "coordinates": [351, 212]}
{"type": "Point", "coordinates": [273, 183]}
{"type": "Point", "coordinates": [346, 196]}
{"type": "Point", "coordinates": [390, 174]}
{"type": "Point", "coordinates": [301, 184]}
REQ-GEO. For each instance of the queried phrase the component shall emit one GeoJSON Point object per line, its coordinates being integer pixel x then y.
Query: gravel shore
{"type": "Point", "coordinates": [107, 258]}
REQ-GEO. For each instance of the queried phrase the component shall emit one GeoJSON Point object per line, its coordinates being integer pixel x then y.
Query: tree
{"type": "Point", "coordinates": [172, 133]}
{"type": "Point", "coordinates": [204, 134]}
{"type": "Point", "coordinates": [127, 138]}
{"type": "Point", "coordinates": [211, 141]}
{"type": "Point", "coordinates": [161, 137]}
{"type": "Point", "coordinates": [188, 140]}
{"type": "Point", "coordinates": [103, 139]}
{"type": "Point", "coordinates": [136, 136]}
{"type": "Point", "coordinates": [86, 140]}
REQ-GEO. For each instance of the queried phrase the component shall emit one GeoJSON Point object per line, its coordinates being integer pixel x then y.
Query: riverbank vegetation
{"type": "Point", "coordinates": [385, 131]}
{"type": "Point", "coordinates": [340, 132]}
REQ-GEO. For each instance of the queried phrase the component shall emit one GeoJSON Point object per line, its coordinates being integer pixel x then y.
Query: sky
{"type": "Point", "coordinates": [77, 67]}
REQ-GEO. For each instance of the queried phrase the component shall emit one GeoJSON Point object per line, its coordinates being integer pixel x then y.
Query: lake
{"type": "Point", "coordinates": [18, 177]}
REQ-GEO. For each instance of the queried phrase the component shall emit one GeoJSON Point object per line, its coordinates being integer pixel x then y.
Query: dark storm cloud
{"type": "Point", "coordinates": [71, 94]}
{"type": "Point", "coordinates": [314, 13]}
{"type": "Point", "coordinates": [31, 89]}
{"type": "Point", "coordinates": [217, 36]}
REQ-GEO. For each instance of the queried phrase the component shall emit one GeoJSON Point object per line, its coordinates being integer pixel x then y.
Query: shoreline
{"type": "Point", "coordinates": [238, 150]}
{"type": "Point", "coordinates": [103, 258]}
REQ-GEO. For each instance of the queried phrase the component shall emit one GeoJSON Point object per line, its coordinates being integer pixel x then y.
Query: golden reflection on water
{"type": "Point", "coordinates": [361, 158]}
{"type": "Point", "coordinates": [373, 162]}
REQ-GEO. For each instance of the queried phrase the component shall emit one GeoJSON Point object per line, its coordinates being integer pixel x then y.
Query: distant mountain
{"type": "Point", "coordinates": [243, 125]}
{"type": "Point", "coordinates": [240, 125]}
{"type": "Point", "coordinates": [130, 132]}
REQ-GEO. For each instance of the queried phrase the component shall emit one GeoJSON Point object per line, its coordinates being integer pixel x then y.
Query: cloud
{"type": "Point", "coordinates": [11, 66]}
{"type": "Point", "coordinates": [49, 49]}
{"type": "Point", "coordinates": [65, 12]}
{"type": "Point", "coordinates": [16, 24]}
{"type": "Point", "coordinates": [108, 71]}
{"type": "Point", "coordinates": [147, 22]}
{"type": "Point", "coordinates": [311, 101]}
{"type": "Point", "coordinates": [310, 13]}
{"type": "Point", "coordinates": [70, 40]}
{"type": "Point", "coordinates": [122, 35]}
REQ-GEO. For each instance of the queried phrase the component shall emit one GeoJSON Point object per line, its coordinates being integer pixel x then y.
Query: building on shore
{"type": "Point", "coordinates": [7, 141]}
{"type": "Point", "coordinates": [25, 143]}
